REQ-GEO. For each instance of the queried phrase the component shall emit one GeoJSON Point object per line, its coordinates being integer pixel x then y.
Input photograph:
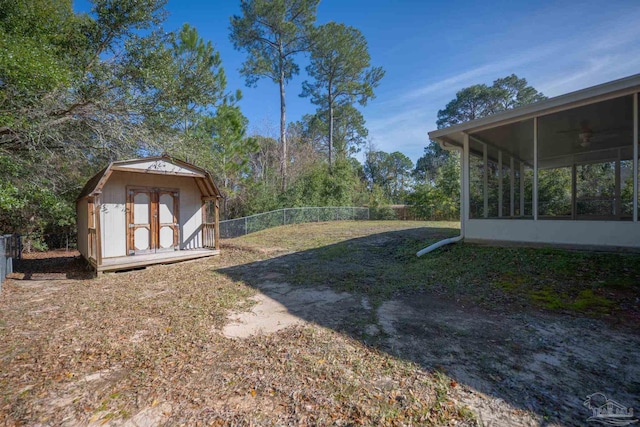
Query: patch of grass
{"type": "Point", "coordinates": [154, 336]}
{"type": "Point", "coordinates": [155, 332]}
{"type": "Point", "coordinates": [141, 328]}
{"type": "Point", "coordinates": [378, 259]}
{"type": "Point", "coordinates": [300, 237]}
{"type": "Point", "coordinates": [333, 252]}
{"type": "Point", "coordinates": [549, 298]}
{"type": "Point", "coordinates": [624, 282]}
{"type": "Point", "coordinates": [588, 300]}
{"type": "Point", "coordinates": [512, 282]}
{"type": "Point", "coordinates": [443, 408]}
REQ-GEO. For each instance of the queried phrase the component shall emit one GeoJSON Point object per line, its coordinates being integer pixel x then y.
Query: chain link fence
{"type": "Point", "coordinates": [240, 226]}
{"type": "Point", "coordinates": [250, 224]}
{"type": "Point", "coordinates": [10, 248]}
{"type": "Point", "coordinates": [415, 212]}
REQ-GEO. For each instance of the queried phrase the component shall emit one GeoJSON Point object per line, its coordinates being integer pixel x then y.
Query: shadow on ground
{"type": "Point", "coordinates": [53, 265]}
{"type": "Point", "coordinates": [376, 290]}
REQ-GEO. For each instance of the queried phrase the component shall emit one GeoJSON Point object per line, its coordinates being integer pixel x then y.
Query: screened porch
{"type": "Point", "coordinates": [576, 164]}
{"type": "Point", "coordinates": [561, 171]}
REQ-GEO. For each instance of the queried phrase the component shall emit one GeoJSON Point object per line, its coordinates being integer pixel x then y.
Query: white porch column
{"type": "Point", "coordinates": [464, 195]}
{"type": "Point", "coordinates": [635, 157]}
{"type": "Point", "coordinates": [574, 192]}
{"type": "Point", "coordinates": [521, 188]}
{"type": "Point", "coordinates": [485, 183]}
{"type": "Point", "coordinates": [617, 206]}
{"type": "Point", "coordinates": [499, 183]}
{"type": "Point", "coordinates": [512, 193]}
{"type": "Point", "coordinates": [535, 168]}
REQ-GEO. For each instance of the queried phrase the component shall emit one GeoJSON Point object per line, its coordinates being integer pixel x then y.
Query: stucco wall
{"type": "Point", "coordinates": [589, 233]}
{"type": "Point", "coordinates": [113, 210]}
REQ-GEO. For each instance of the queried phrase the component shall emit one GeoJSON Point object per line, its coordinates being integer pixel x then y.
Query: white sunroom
{"type": "Point", "coordinates": [562, 171]}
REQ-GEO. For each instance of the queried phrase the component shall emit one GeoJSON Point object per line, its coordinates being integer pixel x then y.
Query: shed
{"type": "Point", "coordinates": [562, 171]}
{"type": "Point", "coordinates": [153, 210]}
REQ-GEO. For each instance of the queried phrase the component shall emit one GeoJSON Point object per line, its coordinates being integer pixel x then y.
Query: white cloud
{"type": "Point", "coordinates": [491, 70]}
{"type": "Point", "coordinates": [401, 121]}
{"type": "Point", "coordinates": [620, 33]}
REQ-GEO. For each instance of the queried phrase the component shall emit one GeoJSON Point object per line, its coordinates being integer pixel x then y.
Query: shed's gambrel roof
{"type": "Point", "coordinates": [159, 165]}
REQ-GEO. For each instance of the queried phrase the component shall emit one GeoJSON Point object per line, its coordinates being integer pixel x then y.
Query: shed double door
{"type": "Point", "coordinates": [152, 224]}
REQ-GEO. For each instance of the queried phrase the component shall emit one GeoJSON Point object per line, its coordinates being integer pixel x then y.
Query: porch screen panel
{"type": "Point", "coordinates": [527, 195]}
{"type": "Point", "coordinates": [626, 188]}
{"type": "Point", "coordinates": [506, 145]}
{"type": "Point", "coordinates": [506, 187]}
{"type": "Point", "coordinates": [554, 192]}
{"type": "Point", "coordinates": [516, 189]}
{"type": "Point", "coordinates": [493, 185]}
{"type": "Point", "coordinates": [594, 142]}
{"type": "Point", "coordinates": [476, 180]}
{"type": "Point", "coordinates": [595, 196]}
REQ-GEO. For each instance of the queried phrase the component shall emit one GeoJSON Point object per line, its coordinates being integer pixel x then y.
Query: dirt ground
{"type": "Point", "coordinates": [149, 347]}
{"type": "Point", "coordinates": [513, 366]}
{"type": "Point", "coordinates": [544, 364]}
{"type": "Point", "coordinates": [516, 369]}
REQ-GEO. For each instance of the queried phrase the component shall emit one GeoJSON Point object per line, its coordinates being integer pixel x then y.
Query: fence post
{"type": "Point", "coordinates": [9, 266]}
{"type": "Point", "coordinates": [284, 216]}
{"type": "Point", "coordinates": [3, 259]}
{"type": "Point", "coordinates": [246, 230]}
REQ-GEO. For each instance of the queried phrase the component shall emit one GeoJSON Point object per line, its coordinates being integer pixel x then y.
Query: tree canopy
{"type": "Point", "coordinates": [78, 90]}
{"type": "Point", "coordinates": [388, 171]}
{"type": "Point", "coordinates": [477, 101]}
{"type": "Point", "coordinates": [273, 32]}
{"type": "Point", "coordinates": [437, 171]}
{"type": "Point", "coordinates": [470, 103]}
{"type": "Point", "coordinates": [341, 73]}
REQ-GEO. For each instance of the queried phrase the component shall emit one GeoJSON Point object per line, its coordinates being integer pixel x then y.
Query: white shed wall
{"type": "Point", "coordinates": [113, 218]}
{"type": "Point", "coordinates": [588, 233]}
{"type": "Point", "coordinates": [82, 225]}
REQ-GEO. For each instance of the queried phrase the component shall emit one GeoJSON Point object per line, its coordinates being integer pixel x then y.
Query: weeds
{"type": "Point", "coordinates": [153, 334]}
{"type": "Point", "coordinates": [382, 264]}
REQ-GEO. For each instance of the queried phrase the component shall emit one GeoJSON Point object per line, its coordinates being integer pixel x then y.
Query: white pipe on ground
{"type": "Point", "coordinates": [438, 244]}
{"type": "Point", "coordinates": [462, 186]}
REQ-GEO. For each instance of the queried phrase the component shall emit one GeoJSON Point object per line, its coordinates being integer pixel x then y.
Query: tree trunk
{"type": "Point", "coordinates": [330, 132]}
{"type": "Point", "coordinates": [283, 133]}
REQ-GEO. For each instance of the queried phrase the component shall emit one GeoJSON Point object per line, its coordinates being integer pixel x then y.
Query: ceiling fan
{"type": "Point", "coordinates": [586, 135]}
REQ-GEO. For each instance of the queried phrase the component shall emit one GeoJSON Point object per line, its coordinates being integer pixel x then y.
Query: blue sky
{"type": "Point", "coordinates": [430, 50]}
